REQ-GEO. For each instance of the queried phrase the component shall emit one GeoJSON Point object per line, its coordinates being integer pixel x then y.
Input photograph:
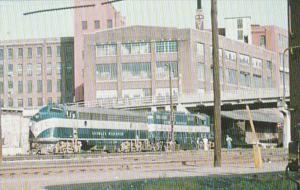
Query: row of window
{"type": "Point", "coordinates": [135, 93]}
{"type": "Point", "coordinates": [29, 68]}
{"type": "Point", "coordinates": [135, 48]}
{"type": "Point", "coordinates": [20, 52]}
{"type": "Point", "coordinates": [232, 56]}
{"type": "Point", "coordinates": [136, 71]}
{"type": "Point", "coordinates": [231, 77]}
{"type": "Point", "coordinates": [97, 24]}
{"type": "Point", "coordinates": [39, 86]}
{"type": "Point", "coordinates": [20, 102]}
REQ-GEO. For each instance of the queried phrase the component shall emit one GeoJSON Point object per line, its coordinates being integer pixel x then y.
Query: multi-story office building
{"type": "Point", "coordinates": [133, 62]}
{"type": "Point", "coordinates": [275, 39]}
{"type": "Point", "coordinates": [88, 20]}
{"type": "Point", "coordinates": [36, 72]}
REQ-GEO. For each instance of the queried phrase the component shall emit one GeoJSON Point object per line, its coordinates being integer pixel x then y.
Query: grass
{"type": "Point", "coordinates": [265, 181]}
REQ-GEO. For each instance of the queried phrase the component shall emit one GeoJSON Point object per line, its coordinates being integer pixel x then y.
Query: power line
{"type": "Point", "coordinates": [110, 2]}
{"type": "Point", "coordinates": [58, 9]}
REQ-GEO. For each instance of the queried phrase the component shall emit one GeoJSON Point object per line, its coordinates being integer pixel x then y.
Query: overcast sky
{"type": "Point", "coordinates": [177, 13]}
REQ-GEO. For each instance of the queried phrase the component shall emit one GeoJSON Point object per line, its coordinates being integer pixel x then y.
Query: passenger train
{"type": "Point", "coordinates": [63, 129]}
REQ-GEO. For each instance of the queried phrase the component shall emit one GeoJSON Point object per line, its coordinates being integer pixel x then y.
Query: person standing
{"type": "Point", "coordinates": [205, 143]}
{"type": "Point", "coordinates": [228, 140]}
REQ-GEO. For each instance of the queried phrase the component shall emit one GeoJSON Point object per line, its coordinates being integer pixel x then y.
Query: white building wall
{"type": "Point", "coordinates": [15, 133]}
{"type": "Point", "coordinates": [231, 28]}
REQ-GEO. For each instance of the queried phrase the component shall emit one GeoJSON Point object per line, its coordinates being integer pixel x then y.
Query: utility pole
{"type": "Point", "coordinates": [1, 157]}
{"type": "Point", "coordinates": [171, 109]}
{"type": "Point", "coordinates": [216, 84]}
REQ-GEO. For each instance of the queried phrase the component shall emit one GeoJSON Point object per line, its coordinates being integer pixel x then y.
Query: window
{"type": "Point", "coordinates": [244, 60]}
{"type": "Point", "coordinates": [200, 50]}
{"type": "Point", "coordinates": [49, 68]}
{"type": "Point", "coordinates": [39, 86]}
{"type": "Point", "coordinates": [269, 82]}
{"type": "Point", "coordinates": [20, 69]}
{"type": "Point", "coordinates": [97, 24]}
{"type": "Point", "coordinates": [58, 86]}
{"type": "Point", "coordinates": [29, 52]}
{"type": "Point", "coordinates": [20, 52]}
{"type": "Point", "coordinates": [231, 76]}
{"type": "Point", "coordinates": [220, 54]}
{"type": "Point", "coordinates": [38, 69]}
{"type": "Point", "coordinates": [162, 70]}
{"type": "Point", "coordinates": [244, 78]}
{"type": "Point", "coordinates": [257, 63]}
{"type": "Point", "coordinates": [84, 25]}
{"type": "Point", "coordinates": [136, 71]}
{"type": "Point", "coordinates": [1, 70]}
{"type": "Point", "coordinates": [230, 56]}
{"type": "Point", "coordinates": [29, 100]}
{"type": "Point", "coordinates": [39, 51]}
{"type": "Point", "coordinates": [135, 48]}
{"type": "Point", "coordinates": [262, 41]}
{"type": "Point", "coordinates": [40, 101]}
{"type": "Point", "coordinates": [29, 86]}
{"type": "Point", "coordinates": [58, 66]}
{"type": "Point", "coordinates": [106, 50]}
{"type": "Point", "coordinates": [10, 84]}
{"type": "Point", "coordinates": [49, 51]}
{"type": "Point", "coordinates": [220, 74]}
{"type": "Point", "coordinates": [10, 102]}
{"type": "Point", "coordinates": [166, 46]}
{"type": "Point", "coordinates": [257, 81]}
{"type": "Point", "coordinates": [20, 102]}
{"type": "Point", "coordinates": [49, 85]}
{"type": "Point", "coordinates": [20, 87]}
{"type": "Point", "coordinates": [1, 54]}
{"type": "Point", "coordinates": [29, 69]}
{"type": "Point", "coordinates": [109, 23]}
{"type": "Point", "coordinates": [240, 34]}
{"type": "Point", "coordinates": [135, 93]}
{"type": "Point", "coordinates": [106, 72]}
{"type": "Point", "coordinates": [10, 69]}
{"type": "Point", "coordinates": [58, 51]}
{"type": "Point", "coordinates": [239, 23]}
{"type": "Point", "coordinates": [10, 53]}
{"type": "Point", "coordinates": [1, 87]}
{"type": "Point", "coordinates": [201, 71]}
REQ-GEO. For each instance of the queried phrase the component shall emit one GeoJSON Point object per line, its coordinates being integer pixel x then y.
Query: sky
{"type": "Point", "coordinates": [175, 13]}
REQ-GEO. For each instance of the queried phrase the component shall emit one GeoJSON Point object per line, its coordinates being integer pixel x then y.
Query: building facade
{"type": "Point", "coordinates": [88, 20]}
{"type": "Point", "coordinates": [36, 72]}
{"type": "Point", "coordinates": [238, 28]}
{"type": "Point", "coordinates": [275, 39]}
{"type": "Point", "coordinates": [134, 61]}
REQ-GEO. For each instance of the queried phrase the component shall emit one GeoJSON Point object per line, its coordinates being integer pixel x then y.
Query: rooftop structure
{"type": "Point", "coordinates": [89, 20]}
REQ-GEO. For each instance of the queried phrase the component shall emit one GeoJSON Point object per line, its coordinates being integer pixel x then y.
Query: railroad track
{"type": "Point", "coordinates": [97, 155]}
{"type": "Point", "coordinates": [145, 161]}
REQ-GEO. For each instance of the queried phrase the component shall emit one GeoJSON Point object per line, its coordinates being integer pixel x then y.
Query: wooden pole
{"type": "Point", "coordinates": [216, 85]}
{"type": "Point", "coordinates": [171, 109]}
{"type": "Point", "coordinates": [256, 149]}
{"type": "Point", "coordinates": [1, 157]}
